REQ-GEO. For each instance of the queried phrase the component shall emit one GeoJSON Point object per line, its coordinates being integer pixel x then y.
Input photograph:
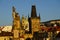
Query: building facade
{"type": "Point", "coordinates": [29, 28]}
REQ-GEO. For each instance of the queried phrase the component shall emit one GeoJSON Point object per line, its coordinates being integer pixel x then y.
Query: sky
{"type": "Point", "coordinates": [48, 9]}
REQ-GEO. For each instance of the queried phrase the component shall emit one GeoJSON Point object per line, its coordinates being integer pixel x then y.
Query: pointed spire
{"type": "Point", "coordinates": [13, 12]}
{"type": "Point", "coordinates": [39, 16]}
{"type": "Point", "coordinates": [13, 8]}
{"type": "Point", "coordinates": [28, 15]}
{"type": "Point", "coordinates": [22, 16]}
{"type": "Point", "coordinates": [33, 11]}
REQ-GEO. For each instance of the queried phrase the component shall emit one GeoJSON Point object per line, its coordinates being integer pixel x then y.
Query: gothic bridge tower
{"type": "Point", "coordinates": [35, 20]}
{"type": "Point", "coordinates": [34, 23]}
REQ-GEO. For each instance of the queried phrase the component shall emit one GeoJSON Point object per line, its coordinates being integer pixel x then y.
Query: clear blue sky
{"type": "Point", "coordinates": [48, 9]}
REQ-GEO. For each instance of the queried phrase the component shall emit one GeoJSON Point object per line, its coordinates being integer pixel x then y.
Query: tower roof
{"type": "Point", "coordinates": [33, 11]}
{"type": "Point", "coordinates": [13, 8]}
{"type": "Point", "coordinates": [39, 16]}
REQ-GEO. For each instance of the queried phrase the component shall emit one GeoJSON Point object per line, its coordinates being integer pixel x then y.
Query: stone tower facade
{"type": "Point", "coordinates": [35, 20]}
{"type": "Point", "coordinates": [16, 24]}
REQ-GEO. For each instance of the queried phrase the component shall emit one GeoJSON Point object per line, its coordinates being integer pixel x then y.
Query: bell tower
{"type": "Point", "coordinates": [35, 20]}
{"type": "Point", "coordinates": [16, 24]}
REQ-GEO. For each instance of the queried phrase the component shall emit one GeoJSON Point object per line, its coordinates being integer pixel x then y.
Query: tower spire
{"type": "Point", "coordinates": [39, 16]}
{"type": "Point", "coordinates": [13, 12]}
{"type": "Point", "coordinates": [33, 11]}
{"type": "Point", "coordinates": [28, 15]}
{"type": "Point", "coordinates": [13, 8]}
